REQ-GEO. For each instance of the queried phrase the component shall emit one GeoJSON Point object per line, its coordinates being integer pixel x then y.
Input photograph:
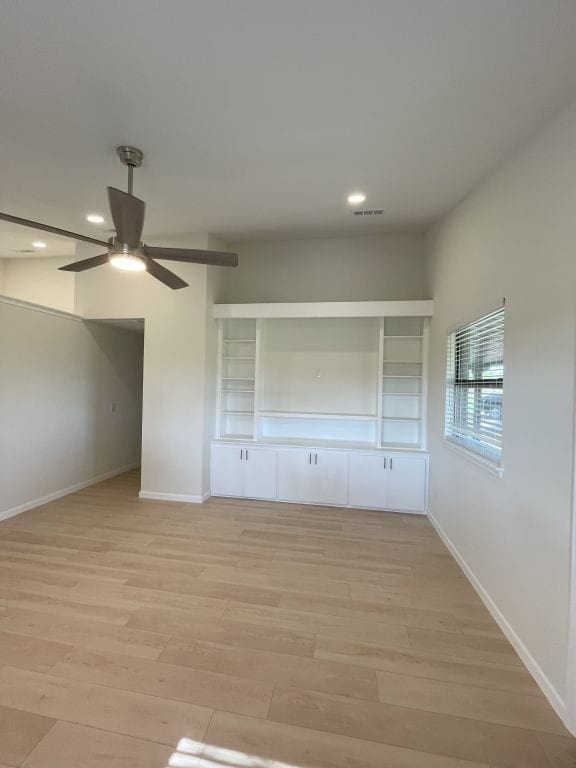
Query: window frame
{"type": "Point", "coordinates": [458, 387]}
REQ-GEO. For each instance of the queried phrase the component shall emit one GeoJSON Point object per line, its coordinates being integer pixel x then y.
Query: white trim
{"type": "Point", "coordinates": [40, 308]}
{"type": "Point", "coordinates": [475, 458]}
{"type": "Point", "coordinates": [571, 660]}
{"type": "Point", "coordinates": [530, 662]}
{"type": "Point", "coordinates": [418, 308]}
{"type": "Point", "coordinates": [65, 491]}
{"type": "Point", "coordinates": [182, 497]}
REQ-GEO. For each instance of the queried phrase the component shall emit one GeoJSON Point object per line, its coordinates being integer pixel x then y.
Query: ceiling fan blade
{"type": "Point", "coordinates": [164, 275]}
{"type": "Point", "coordinates": [80, 266]}
{"type": "Point", "coordinates": [128, 216]}
{"type": "Point", "coordinates": [53, 230]}
{"type": "Point", "coordinates": [193, 256]}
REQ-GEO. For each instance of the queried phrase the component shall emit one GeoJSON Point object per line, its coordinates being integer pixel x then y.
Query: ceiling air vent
{"type": "Point", "coordinates": [25, 250]}
{"type": "Point", "coordinates": [369, 212]}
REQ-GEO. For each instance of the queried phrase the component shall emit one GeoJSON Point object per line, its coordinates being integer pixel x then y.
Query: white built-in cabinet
{"type": "Point", "coordinates": [244, 471]}
{"type": "Point", "coordinates": [323, 403]}
{"type": "Point", "coordinates": [391, 481]}
{"type": "Point", "coordinates": [313, 477]}
{"type": "Point", "coordinates": [346, 478]}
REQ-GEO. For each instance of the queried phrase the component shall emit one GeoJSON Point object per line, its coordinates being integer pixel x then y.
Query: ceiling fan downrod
{"type": "Point", "coordinates": [132, 157]}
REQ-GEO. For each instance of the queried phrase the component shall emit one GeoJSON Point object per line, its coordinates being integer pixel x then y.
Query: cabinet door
{"type": "Point", "coordinates": [227, 470]}
{"type": "Point", "coordinates": [367, 479]}
{"type": "Point", "coordinates": [260, 473]}
{"type": "Point", "coordinates": [329, 478]}
{"type": "Point", "coordinates": [294, 475]}
{"type": "Point", "coordinates": [406, 483]}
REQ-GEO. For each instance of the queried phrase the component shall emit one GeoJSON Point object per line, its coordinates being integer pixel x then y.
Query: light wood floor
{"type": "Point", "coordinates": [252, 635]}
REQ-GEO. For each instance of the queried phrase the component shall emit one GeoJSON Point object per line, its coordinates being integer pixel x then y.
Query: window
{"type": "Point", "coordinates": [474, 385]}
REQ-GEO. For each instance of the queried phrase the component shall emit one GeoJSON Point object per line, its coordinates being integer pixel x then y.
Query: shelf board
{"type": "Point", "coordinates": [402, 446]}
{"type": "Point", "coordinates": [316, 415]}
{"type": "Point", "coordinates": [237, 413]}
{"type": "Point", "coordinates": [239, 341]}
{"type": "Point", "coordinates": [236, 378]}
{"type": "Point", "coordinates": [402, 362]}
{"type": "Point", "coordinates": [238, 391]}
{"type": "Point", "coordinates": [236, 357]}
{"type": "Point", "coordinates": [305, 443]}
{"type": "Point", "coordinates": [417, 338]}
{"type": "Point", "coordinates": [243, 438]}
{"type": "Point", "coordinates": [402, 394]}
{"type": "Point", "coordinates": [399, 376]}
{"type": "Point", "coordinates": [412, 419]}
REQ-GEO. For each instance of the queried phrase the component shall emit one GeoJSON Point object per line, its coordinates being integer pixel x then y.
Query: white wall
{"type": "Point", "coordinates": [58, 380]}
{"type": "Point", "coordinates": [331, 269]}
{"type": "Point", "coordinates": [173, 416]}
{"type": "Point", "coordinates": [515, 237]}
{"type": "Point", "coordinates": [39, 281]}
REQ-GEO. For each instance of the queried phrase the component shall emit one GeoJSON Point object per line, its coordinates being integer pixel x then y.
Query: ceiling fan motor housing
{"type": "Point", "coordinates": [131, 156]}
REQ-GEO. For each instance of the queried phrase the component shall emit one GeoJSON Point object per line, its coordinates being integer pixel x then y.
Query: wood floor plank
{"type": "Point", "coordinates": [132, 714]}
{"type": "Point", "coordinates": [19, 733]}
{"type": "Point", "coordinates": [273, 668]}
{"type": "Point", "coordinates": [33, 653]}
{"type": "Point", "coordinates": [416, 729]}
{"type": "Point", "coordinates": [208, 688]}
{"type": "Point", "coordinates": [496, 649]}
{"type": "Point", "coordinates": [93, 635]}
{"type": "Point", "coordinates": [501, 707]}
{"type": "Point", "coordinates": [492, 676]}
{"type": "Point", "coordinates": [235, 740]}
{"type": "Point", "coordinates": [243, 634]}
{"type": "Point", "coordinates": [69, 745]}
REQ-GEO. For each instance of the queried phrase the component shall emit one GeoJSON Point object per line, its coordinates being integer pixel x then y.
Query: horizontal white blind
{"type": "Point", "coordinates": [474, 386]}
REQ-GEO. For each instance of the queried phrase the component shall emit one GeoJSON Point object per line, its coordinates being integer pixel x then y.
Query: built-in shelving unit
{"type": "Point", "coordinates": [402, 387]}
{"type": "Point", "coordinates": [323, 380]}
{"type": "Point", "coordinates": [236, 379]}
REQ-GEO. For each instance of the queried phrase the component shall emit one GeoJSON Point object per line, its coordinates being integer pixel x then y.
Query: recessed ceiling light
{"type": "Point", "coordinates": [39, 244]}
{"type": "Point", "coordinates": [355, 198]}
{"type": "Point", "coordinates": [95, 218]}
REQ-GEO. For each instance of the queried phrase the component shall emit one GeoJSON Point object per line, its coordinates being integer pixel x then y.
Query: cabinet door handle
{"type": "Point", "coordinates": [309, 458]}
{"type": "Point", "coordinates": [315, 458]}
{"type": "Point", "coordinates": [384, 462]}
{"type": "Point", "coordinates": [390, 463]}
{"type": "Point", "coordinates": [241, 454]}
{"type": "Point", "coordinates": [246, 457]}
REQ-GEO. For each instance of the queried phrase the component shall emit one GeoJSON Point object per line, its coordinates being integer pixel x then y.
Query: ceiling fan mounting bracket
{"type": "Point", "coordinates": [130, 156]}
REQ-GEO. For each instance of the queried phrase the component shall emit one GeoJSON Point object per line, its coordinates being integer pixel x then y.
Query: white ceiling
{"type": "Point", "coordinates": [257, 117]}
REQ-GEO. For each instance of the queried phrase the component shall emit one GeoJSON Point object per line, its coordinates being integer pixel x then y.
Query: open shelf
{"type": "Point", "coordinates": [333, 382]}
{"type": "Point", "coordinates": [317, 415]}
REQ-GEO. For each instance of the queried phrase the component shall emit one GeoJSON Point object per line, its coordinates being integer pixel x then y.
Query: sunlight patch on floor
{"type": "Point", "coordinates": [197, 754]}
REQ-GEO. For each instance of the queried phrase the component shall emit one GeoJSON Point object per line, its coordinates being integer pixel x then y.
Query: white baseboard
{"type": "Point", "coordinates": [556, 701]}
{"type": "Point", "coordinates": [65, 491]}
{"type": "Point", "coordinates": [174, 497]}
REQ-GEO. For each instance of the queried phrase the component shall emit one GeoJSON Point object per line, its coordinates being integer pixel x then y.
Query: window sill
{"type": "Point", "coordinates": [474, 458]}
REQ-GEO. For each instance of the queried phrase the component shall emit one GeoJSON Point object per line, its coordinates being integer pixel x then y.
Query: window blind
{"type": "Point", "coordinates": [474, 386]}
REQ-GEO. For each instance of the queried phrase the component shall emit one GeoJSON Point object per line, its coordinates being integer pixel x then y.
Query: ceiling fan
{"type": "Point", "coordinates": [126, 250]}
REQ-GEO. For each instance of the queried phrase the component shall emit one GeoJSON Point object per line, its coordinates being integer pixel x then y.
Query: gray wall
{"type": "Point", "coordinates": [332, 269]}
{"type": "Point", "coordinates": [58, 380]}
{"type": "Point", "coordinates": [515, 238]}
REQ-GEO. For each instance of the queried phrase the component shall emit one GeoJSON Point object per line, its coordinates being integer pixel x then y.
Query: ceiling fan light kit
{"type": "Point", "coordinates": [127, 251]}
